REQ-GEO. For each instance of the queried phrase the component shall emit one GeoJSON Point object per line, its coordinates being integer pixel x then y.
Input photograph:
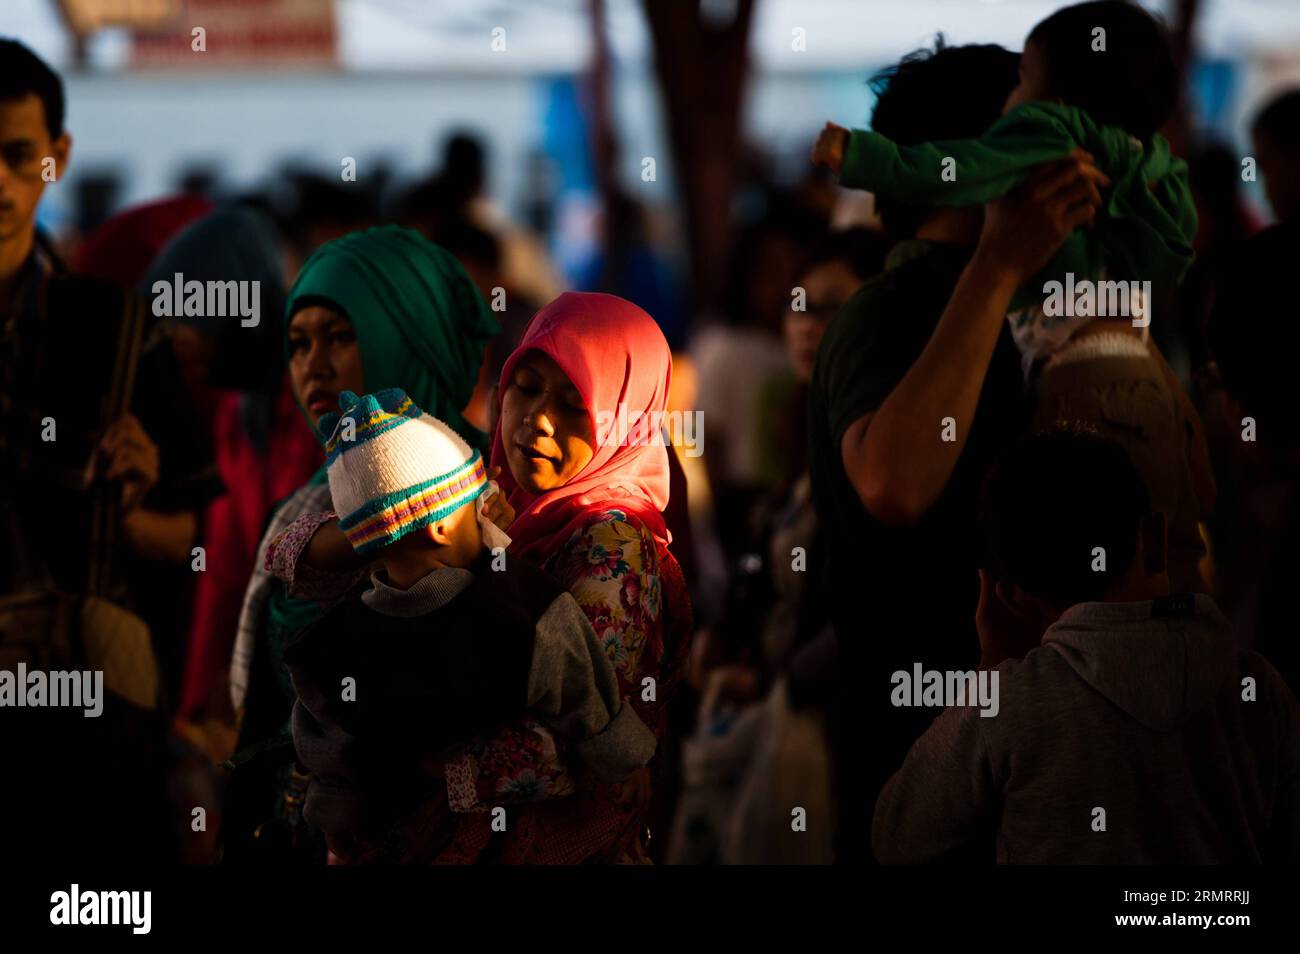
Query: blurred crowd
{"type": "Point", "coordinates": [806, 581]}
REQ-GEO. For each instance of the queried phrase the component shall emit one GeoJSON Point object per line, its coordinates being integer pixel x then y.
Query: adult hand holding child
{"type": "Point", "coordinates": [497, 508]}
{"type": "Point", "coordinates": [1025, 228]}
{"type": "Point", "coordinates": [130, 456]}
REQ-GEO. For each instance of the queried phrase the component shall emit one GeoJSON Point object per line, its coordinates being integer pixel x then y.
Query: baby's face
{"type": "Point", "coordinates": [1032, 86]}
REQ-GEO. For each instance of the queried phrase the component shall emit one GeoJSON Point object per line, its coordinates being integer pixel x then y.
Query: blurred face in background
{"type": "Point", "coordinates": [194, 353]}
{"type": "Point", "coordinates": [324, 359]}
{"type": "Point", "coordinates": [776, 259]}
{"type": "Point", "coordinates": [25, 144]}
{"type": "Point", "coordinates": [544, 425]}
{"type": "Point", "coordinates": [1280, 170]}
{"type": "Point", "coordinates": [827, 286]}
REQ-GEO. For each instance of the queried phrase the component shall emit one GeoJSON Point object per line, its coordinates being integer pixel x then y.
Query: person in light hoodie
{"type": "Point", "coordinates": [1135, 731]}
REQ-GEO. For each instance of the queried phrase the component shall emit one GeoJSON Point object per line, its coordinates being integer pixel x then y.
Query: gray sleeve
{"type": "Point", "coordinates": [940, 795]}
{"type": "Point", "coordinates": [573, 689]}
{"type": "Point", "coordinates": [324, 749]}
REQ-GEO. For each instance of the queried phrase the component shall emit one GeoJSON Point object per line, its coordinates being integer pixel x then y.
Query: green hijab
{"type": "Point", "coordinates": [421, 324]}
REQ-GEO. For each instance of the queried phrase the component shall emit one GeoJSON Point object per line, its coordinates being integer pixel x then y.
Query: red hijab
{"type": "Point", "coordinates": [614, 353]}
{"type": "Point", "coordinates": [122, 248]}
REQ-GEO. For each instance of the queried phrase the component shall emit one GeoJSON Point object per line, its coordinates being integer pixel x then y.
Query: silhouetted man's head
{"type": "Point", "coordinates": [952, 92]}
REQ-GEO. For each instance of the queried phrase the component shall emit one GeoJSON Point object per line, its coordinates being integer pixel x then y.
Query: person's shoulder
{"type": "Point", "coordinates": [332, 635]}
{"type": "Point", "coordinates": [878, 301]}
{"type": "Point", "coordinates": [1041, 680]}
{"type": "Point", "coordinates": [861, 306]}
{"type": "Point", "coordinates": [517, 584]}
{"type": "Point", "coordinates": [308, 498]}
{"type": "Point", "coordinates": [865, 319]}
{"type": "Point", "coordinates": [86, 310]}
{"type": "Point", "coordinates": [1265, 682]}
{"type": "Point", "coordinates": [612, 523]}
{"type": "Point", "coordinates": [85, 290]}
{"type": "Point", "coordinates": [608, 541]}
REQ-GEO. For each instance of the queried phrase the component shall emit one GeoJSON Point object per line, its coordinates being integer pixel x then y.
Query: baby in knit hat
{"type": "Point", "coordinates": [443, 643]}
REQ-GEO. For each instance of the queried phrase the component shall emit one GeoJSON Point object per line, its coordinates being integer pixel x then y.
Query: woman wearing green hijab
{"type": "Point", "coordinates": [375, 309]}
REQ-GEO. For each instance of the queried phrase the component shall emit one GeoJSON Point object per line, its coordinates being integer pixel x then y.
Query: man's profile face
{"type": "Point", "coordinates": [25, 144]}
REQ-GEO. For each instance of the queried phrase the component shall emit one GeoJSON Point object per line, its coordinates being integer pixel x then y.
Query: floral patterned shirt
{"type": "Point", "coordinates": [611, 566]}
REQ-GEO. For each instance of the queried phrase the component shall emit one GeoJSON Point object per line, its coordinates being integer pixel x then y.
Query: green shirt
{"type": "Point", "coordinates": [898, 596]}
{"type": "Point", "coordinates": [1144, 229]}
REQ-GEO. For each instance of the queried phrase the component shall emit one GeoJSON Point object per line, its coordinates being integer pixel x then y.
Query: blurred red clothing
{"type": "Point", "coordinates": [232, 529]}
{"type": "Point", "coordinates": [123, 247]}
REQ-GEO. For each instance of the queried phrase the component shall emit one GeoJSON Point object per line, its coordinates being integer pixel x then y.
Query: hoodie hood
{"type": "Point", "coordinates": [1161, 661]}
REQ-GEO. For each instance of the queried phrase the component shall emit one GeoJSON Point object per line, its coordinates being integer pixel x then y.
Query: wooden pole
{"type": "Point", "coordinates": [702, 68]}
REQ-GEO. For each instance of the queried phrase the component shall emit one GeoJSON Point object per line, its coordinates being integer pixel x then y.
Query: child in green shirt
{"type": "Point", "coordinates": [1098, 76]}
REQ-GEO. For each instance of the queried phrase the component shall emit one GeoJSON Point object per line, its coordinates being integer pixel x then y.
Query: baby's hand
{"type": "Point", "coordinates": [497, 508]}
{"type": "Point", "coordinates": [828, 150]}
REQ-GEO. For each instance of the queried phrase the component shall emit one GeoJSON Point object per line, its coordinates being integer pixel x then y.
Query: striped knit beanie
{"type": "Point", "coordinates": [393, 468]}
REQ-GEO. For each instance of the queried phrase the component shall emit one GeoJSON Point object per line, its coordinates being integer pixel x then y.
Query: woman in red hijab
{"type": "Point", "coordinates": [585, 471]}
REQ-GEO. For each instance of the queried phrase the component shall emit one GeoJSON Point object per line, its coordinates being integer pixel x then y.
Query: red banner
{"type": "Point", "coordinates": [223, 34]}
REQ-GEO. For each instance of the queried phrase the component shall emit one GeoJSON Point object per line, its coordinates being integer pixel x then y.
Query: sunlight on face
{"type": "Point", "coordinates": [324, 359]}
{"type": "Point", "coordinates": [545, 425]}
{"type": "Point", "coordinates": [25, 144]}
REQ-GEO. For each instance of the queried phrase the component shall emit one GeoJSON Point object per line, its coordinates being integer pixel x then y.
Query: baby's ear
{"type": "Point", "coordinates": [437, 533]}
